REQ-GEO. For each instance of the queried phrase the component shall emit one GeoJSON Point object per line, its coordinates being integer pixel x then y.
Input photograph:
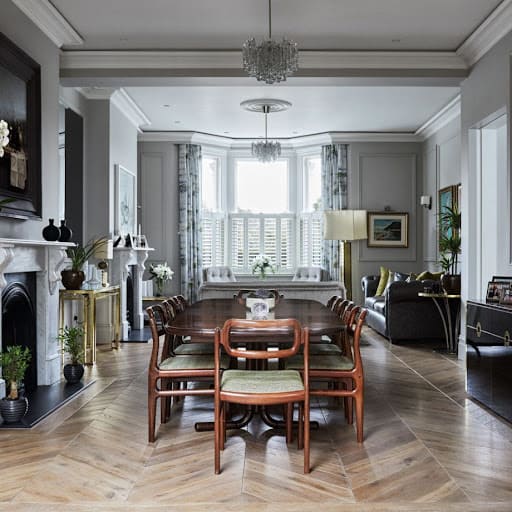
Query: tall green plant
{"type": "Point", "coordinates": [14, 362]}
{"type": "Point", "coordinates": [449, 239]}
{"type": "Point", "coordinates": [79, 254]}
{"type": "Point", "coordinates": [72, 343]}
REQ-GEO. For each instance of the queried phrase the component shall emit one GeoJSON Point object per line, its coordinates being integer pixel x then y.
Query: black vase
{"type": "Point", "coordinates": [51, 232]}
{"type": "Point", "coordinates": [65, 232]}
{"type": "Point", "coordinates": [12, 411]}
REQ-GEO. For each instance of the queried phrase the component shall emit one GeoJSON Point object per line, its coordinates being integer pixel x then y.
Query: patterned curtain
{"type": "Point", "coordinates": [189, 183]}
{"type": "Point", "coordinates": [334, 197]}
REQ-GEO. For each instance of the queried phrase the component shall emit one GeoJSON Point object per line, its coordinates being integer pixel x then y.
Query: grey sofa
{"type": "Point", "coordinates": [400, 314]}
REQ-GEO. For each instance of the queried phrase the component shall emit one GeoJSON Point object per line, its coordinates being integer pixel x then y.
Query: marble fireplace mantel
{"type": "Point", "coordinates": [125, 259]}
{"type": "Point", "coordinates": [46, 259]}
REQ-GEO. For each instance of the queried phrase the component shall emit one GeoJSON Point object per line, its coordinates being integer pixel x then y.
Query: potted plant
{"type": "Point", "coordinates": [73, 278]}
{"type": "Point", "coordinates": [72, 344]}
{"type": "Point", "coordinates": [14, 362]}
{"type": "Point", "coordinates": [449, 248]}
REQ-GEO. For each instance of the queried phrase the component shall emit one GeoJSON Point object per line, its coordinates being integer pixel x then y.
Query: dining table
{"type": "Point", "coordinates": [200, 320]}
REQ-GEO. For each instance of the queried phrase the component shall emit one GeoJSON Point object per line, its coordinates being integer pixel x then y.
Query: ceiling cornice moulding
{"type": "Point", "coordinates": [318, 139]}
{"type": "Point", "coordinates": [495, 26]}
{"type": "Point", "coordinates": [50, 21]}
{"type": "Point", "coordinates": [125, 103]}
{"type": "Point", "coordinates": [230, 60]}
{"type": "Point", "coordinates": [448, 113]}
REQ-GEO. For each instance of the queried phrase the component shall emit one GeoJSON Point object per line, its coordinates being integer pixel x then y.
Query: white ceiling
{"type": "Point", "coordinates": [318, 106]}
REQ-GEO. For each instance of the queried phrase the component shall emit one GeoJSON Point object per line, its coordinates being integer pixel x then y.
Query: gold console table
{"type": "Point", "coordinates": [89, 298]}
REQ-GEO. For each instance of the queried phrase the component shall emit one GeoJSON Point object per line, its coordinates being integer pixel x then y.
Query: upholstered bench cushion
{"type": "Point", "coordinates": [192, 363]}
{"type": "Point", "coordinates": [324, 362]}
{"type": "Point", "coordinates": [254, 381]}
{"type": "Point", "coordinates": [199, 349]}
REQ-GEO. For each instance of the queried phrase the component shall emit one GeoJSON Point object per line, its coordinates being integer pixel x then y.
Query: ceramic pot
{"type": "Point", "coordinates": [451, 283]}
{"type": "Point", "coordinates": [51, 233]}
{"type": "Point", "coordinates": [12, 411]}
{"type": "Point", "coordinates": [65, 232]}
{"type": "Point", "coordinates": [72, 280]}
{"type": "Point", "coordinates": [73, 372]}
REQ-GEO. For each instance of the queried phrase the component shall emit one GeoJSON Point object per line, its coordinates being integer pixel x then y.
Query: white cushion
{"type": "Point", "coordinates": [308, 274]}
{"type": "Point", "coordinates": [218, 275]}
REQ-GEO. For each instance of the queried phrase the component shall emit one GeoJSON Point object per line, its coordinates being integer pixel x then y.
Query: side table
{"type": "Point", "coordinates": [448, 306]}
{"type": "Point", "coordinates": [89, 298]}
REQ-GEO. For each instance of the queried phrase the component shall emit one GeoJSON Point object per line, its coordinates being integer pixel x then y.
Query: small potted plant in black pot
{"type": "Point", "coordinates": [14, 362]}
{"type": "Point", "coordinates": [72, 344]}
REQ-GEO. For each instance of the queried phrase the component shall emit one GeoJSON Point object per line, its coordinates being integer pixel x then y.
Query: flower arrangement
{"type": "Point", "coordinates": [261, 265]}
{"type": "Point", "coordinates": [160, 273]}
{"type": "Point", "coordinates": [4, 136]}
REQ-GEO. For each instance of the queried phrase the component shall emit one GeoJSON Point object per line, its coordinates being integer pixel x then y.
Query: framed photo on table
{"type": "Point", "coordinates": [126, 200]}
{"type": "Point", "coordinates": [388, 229]}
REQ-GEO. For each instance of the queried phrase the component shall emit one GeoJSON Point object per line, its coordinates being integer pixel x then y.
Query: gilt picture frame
{"type": "Point", "coordinates": [20, 108]}
{"type": "Point", "coordinates": [125, 201]}
{"type": "Point", "coordinates": [388, 229]}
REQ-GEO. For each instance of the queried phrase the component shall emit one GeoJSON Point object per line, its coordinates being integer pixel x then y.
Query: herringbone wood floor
{"type": "Point", "coordinates": [427, 448]}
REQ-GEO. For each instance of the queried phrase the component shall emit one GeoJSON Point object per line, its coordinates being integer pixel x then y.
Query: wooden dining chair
{"type": "Point", "coordinates": [170, 369]}
{"type": "Point", "coordinates": [345, 370]}
{"type": "Point", "coordinates": [262, 387]}
{"type": "Point", "coordinates": [332, 300]}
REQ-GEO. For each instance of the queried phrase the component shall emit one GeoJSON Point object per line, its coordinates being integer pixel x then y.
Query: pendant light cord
{"type": "Point", "coordinates": [270, 19]}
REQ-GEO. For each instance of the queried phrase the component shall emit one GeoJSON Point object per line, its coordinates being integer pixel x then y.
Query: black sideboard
{"type": "Point", "coordinates": [489, 356]}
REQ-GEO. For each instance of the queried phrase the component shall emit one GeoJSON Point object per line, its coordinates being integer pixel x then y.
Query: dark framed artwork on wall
{"type": "Point", "coordinates": [388, 229]}
{"type": "Point", "coordinates": [20, 108]}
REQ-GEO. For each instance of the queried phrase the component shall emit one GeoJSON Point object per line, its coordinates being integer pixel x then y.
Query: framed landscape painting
{"type": "Point", "coordinates": [387, 229]}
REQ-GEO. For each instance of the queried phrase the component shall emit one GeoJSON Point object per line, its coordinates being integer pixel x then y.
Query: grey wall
{"type": "Point", "coordinates": [385, 174]}
{"type": "Point", "coordinates": [485, 92]}
{"type": "Point", "coordinates": [158, 192]}
{"type": "Point", "coordinates": [441, 168]}
{"type": "Point", "coordinates": [31, 40]}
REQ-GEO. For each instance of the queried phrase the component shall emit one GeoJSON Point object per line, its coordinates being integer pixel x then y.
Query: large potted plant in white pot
{"type": "Point", "coordinates": [449, 248]}
{"type": "Point", "coordinates": [14, 362]}
{"type": "Point", "coordinates": [73, 345]}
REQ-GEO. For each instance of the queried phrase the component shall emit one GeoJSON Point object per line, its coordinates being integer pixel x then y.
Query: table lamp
{"type": "Point", "coordinates": [345, 226]}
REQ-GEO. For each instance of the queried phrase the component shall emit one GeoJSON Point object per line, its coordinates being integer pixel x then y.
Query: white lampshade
{"type": "Point", "coordinates": [345, 225]}
{"type": "Point", "coordinates": [105, 251]}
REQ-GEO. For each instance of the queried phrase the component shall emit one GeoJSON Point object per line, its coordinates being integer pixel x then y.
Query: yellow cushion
{"type": "Point", "coordinates": [435, 276]}
{"type": "Point", "coordinates": [384, 275]}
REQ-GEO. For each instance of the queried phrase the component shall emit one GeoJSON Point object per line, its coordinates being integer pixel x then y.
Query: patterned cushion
{"type": "Point", "coordinates": [254, 381]}
{"type": "Point", "coordinates": [323, 362]}
{"type": "Point", "coordinates": [192, 363]}
{"type": "Point", "coordinates": [198, 349]}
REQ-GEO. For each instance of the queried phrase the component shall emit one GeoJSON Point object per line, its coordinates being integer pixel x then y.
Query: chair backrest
{"type": "Point", "coordinates": [236, 330]}
{"type": "Point", "coordinates": [241, 295]}
{"type": "Point", "coordinates": [332, 300]}
{"type": "Point", "coordinates": [309, 274]}
{"type": "Point", "coordinates": [184, 302]}
{"type": "Point", "coordinates": [341, 307]}
{"type": "Point", "coordinates": [354, 328]}
{"type": "Point", "coordinates": [179, 306]}
{"type": "Point", "coordinates": [218, 274]}
{"type": "Point", "coordinates": [157, 315]}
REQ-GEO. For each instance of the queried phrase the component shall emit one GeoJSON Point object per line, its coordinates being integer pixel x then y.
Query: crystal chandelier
{"type": "Point", "coordinates": [266, 150]}
{"type": "Point", "coordinates": [270, 61]}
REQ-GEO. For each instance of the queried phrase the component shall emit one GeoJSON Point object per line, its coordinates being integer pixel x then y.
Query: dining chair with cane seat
{"type": "Point", "coordinates": [262, 387]}
{"type": "Point", "coordinates": [170, 369]}
{"type": "Point", "coordinates": [344, 369]}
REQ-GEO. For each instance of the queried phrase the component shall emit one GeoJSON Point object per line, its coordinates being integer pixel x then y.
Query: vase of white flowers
{"type": "Point", "coordinates": [4, 136]}
{"type": "Point", "coordinates": [261, 265]}
{"type": "Point", "coordinates": [160, 273]}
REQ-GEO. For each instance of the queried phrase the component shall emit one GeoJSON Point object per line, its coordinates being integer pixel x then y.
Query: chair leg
{"type": "Point", "coordinates": [300, 435]}
{"type": "Point", "coordinates": [222, 436]}
{"type": "Point", "coordinates": [289, 422]}
{"type": "Point", "coordinates": [349, 404]}
{"type": "Point", "coordinates": [151, 416]}
{"type": "Point", "coordinates": [359, 415]}
{"type": "Point", "coordinates": [217, 432]}
{"type": "Point", "coordinates": [306, 436]}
